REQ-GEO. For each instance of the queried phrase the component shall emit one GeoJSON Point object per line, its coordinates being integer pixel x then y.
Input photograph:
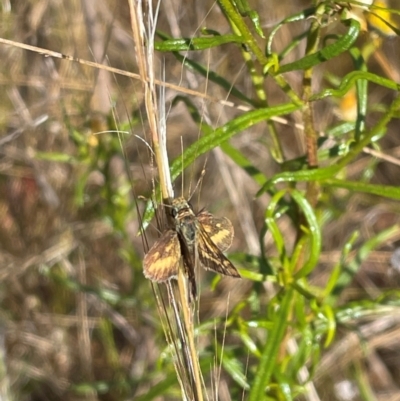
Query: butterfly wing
{"type": "Point", "coordinates": [219, 229]}
{"type": "Point", "coordinates": [161, 263]}
{"type": "Point", "coordinates": [212, 258]}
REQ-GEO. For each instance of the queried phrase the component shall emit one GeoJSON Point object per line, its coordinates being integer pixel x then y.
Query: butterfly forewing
{"type": "Point", "coordinates": [162, 261]}
{"type": "Point", "coordinates": [219, 229]}
{"type": "Point", "coordinates": [212, 258]}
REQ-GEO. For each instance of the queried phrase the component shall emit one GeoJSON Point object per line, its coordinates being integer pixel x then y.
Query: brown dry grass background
{"type": "Point", "coordinates": [54, 240]}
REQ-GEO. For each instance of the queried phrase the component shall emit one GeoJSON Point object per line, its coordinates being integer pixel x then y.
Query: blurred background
{"type": "Point", "coordinates": [77, 318]}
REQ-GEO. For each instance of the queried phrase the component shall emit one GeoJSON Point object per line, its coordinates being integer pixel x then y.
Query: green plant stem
{"type": "Point", "coordinates": [308, 120]}
{"type": "Point", "coordinates": [248, 37]}
{"type": "Point", "coordinates": [270, 352]}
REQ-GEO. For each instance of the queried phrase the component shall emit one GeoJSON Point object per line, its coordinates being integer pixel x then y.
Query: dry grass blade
{"type": "Point", "coordinates": [181, 335]}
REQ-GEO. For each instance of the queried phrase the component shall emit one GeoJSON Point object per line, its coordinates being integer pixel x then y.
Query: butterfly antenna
{"type": "Point", "coordinates": [199, 182]}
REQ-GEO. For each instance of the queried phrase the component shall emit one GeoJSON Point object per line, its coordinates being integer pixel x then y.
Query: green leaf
{"type": "Point", "coordinates": [248, 340]}
{"type": "Point", "coordinates": [314, 234]}
{"type": "Point", "coordinates": [303, 175]}
{"type": "Point", "coordinates": [329, 315]}
{"type": "Point", "coordinates": [337, 269]}
{"type": "Point", "coordinates": [271, 222]}
{"type": "Point", "coordinates": [343, 44]}
{"type": "Point", "coordinates": [267, 364]}
{"type": "Point", "coordinates": [234, 368]}
{"type": "Point", "coordinates": [190, 44]}
{"type": "Point", "coordinates": [55, 157]}
{"type": "Point", "coordinates": [341, 129]}
{"type": "Point", "coordinates": [348, 82]}
{"type": "Point", "coordinates": [381, 190]}
{"type": "Point", "coordinates": [293, 18]}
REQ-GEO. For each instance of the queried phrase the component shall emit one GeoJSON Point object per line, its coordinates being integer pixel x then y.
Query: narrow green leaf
{"type": "Point", "coordinates": [303, 175]}
{"type": "Point", "coordinates": [315, 234]}
{"type": "Point", "coordinates": [305, 348]}
{"type": "Point", "coordinates": [362, 93]}
{"type": "Point", "coordinates": [232, 366]}
{"type": "Point", "coordinates": [343, 44]}
{"type": "Point", "coordinates": [271, 222]}
{"type": "Point", "coordinates": [337, 269]}
{"type": "Point", "coordinates": [293, 18]}
{"type": "Point", "coordinates": [331, 324]}
{"type": "Point", "coordinates": [369, 309]}
{"type": "Point", "coordinates": [190, 44]}
{"type": "Point", "coordinates": [341, 129]}
{"type": "Point", "coordinates": [55, 157]}
{"type": "Point", "coordinates": [349, 80]}
{"type": "Point", "coordinates": [381, 190]}
{"type": "Point", "coordinates": [267, 363]}
{"type": "Point", "coordinates": [257, 277]}
{"type": "Point", "coordinates": [248, 341]}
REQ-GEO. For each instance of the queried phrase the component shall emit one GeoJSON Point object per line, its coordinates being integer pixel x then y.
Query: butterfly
{"type": "Point", "coordinates": [198, 239]}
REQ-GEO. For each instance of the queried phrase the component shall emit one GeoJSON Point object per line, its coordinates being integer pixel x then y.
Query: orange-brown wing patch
{"type": "Point", "coordinates": [161, 263]}
{"type": "Point", "coordinates": [219, 229]}
{"type": "Point", "coordinates": [212, 258]}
